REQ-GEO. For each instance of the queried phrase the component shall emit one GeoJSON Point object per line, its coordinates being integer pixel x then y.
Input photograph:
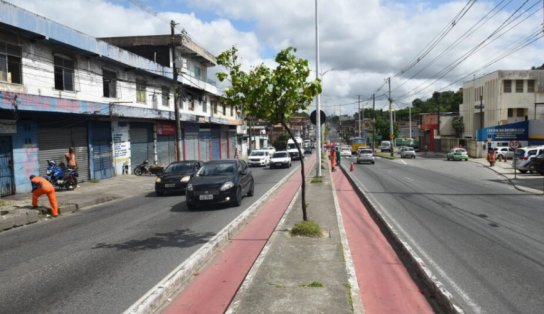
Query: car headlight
{"type": "Point", "coordinates": [226, 186]}
{"type": "Point", "coordinates": [158, 180]}
{"type": "Point", "coordinates": [185, 179]}
{"type": "Point", "coordinates": [189, 187]}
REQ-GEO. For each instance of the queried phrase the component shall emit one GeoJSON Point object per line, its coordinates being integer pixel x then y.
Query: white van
{"type": "Point", "coordinates": [385, 146]}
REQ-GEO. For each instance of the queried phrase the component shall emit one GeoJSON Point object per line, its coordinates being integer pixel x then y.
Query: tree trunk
{"type": "Point", "coordinates": [303, 198]}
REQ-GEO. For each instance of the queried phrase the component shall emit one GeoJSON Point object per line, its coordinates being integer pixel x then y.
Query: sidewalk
{"type": "Point", "coordinates": [16, 210]}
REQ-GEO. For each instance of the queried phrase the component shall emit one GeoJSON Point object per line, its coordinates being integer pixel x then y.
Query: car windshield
{"type": "Point", "coordinates": [255, 153]}
{"type": "Point", "coordinates": [217, 169]}
{"type": "Point", "coordinates": [279, 155]}
{"type": "Point", "coordinates": [175, 168]}
{"type": "Point", "coordinates": [365, 151]}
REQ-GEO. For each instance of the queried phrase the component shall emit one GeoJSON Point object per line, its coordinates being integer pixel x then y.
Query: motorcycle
{"type": "Point", "coordinates": [60, 176]}
{"type": "Point", "coordinates": [146, 168]}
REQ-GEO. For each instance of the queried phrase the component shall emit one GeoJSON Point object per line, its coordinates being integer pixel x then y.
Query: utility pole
{"type": "Point", "coordinates": [481, 113]}
{"type": "Point", "coordinates": [317, 105]}
{"type": "Point", "coordinates": [373, 122]}
{"type": "Point", "coordinates": [390, 116]}
{"type": "Point", "coordinates": [410, 119]}
{"type": "Point", "coordinates": [359, 115]}
{"type": "Point", "coordinates": [438, 114]}
{"type": "Point", "coordinates": [177, 97]}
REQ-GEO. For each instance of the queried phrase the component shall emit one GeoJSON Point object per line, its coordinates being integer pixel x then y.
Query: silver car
{"type": "Point", "coordinates": [408, 152]}
{"type": "Point", "coordinates": [365, 155]}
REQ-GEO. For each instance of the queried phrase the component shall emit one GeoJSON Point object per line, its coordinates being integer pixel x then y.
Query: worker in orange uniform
{"type": "Point", "coordinates": [332, 157]}
{"type": "Point", "coordinates": [41, 186]}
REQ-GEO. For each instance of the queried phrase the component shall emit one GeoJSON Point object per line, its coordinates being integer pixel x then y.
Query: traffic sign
{"type": "Point", "coordinates": [322, 117]}
{"type": "Point", "coordinates": [515, 144]}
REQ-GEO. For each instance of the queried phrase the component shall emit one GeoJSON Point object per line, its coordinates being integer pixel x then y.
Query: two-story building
{"type": "Point", "coordinates": [502, 107]}
{"type": "Point", "coordinates": [112, 99]}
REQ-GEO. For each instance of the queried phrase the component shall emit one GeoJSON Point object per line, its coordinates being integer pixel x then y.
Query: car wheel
{"type": "Point", "coordinates": [523, 171]}
{"type": "Point", "coordinates": [138, 171]}
{"type": "Point", "coordinates": [251, 189]}
{"type": "Point", "coordinates": [237, 201]}
{"type": "Point", "coordinates": [499, 158]}
{"type": "Point", "coordinates": [414, 157]}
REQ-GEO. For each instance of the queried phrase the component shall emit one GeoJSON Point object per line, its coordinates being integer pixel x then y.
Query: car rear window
{"type": "Point", "coordinates": [366, 151]}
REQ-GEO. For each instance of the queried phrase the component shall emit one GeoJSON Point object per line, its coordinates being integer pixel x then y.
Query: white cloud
{"type": "Point", "coordinates": [363, 41]}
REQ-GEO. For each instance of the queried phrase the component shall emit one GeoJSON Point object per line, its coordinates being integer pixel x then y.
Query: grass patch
{"type": "Point", "coordinates": [313, 284]}
{"type": "Point", "coordinates": [3, 203]}
{"type": "Point", "coordinates": [306, 229]}
{"type": "Point", "coordinates": [385, 155]}
{"type": "Point", "coordinates": [350, 299]}
{"type": "Point", "coordinates": [317, 179]}
{"type": "Point", "coordinates": [94, 181]}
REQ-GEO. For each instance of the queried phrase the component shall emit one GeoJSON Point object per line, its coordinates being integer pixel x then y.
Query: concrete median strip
{"type": "Point", "coordinates": [181, 275]}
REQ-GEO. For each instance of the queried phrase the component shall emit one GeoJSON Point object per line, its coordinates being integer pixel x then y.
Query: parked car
{"type": "Point", "coordinates": [345, 152]}
{"type": "Point", "coordinates": [537, 164]}
{"type": "Point", "coordinates": [524, 155]}
{"type": "Point", "coordinates": [271, 150]}
{"type": "Point", "coordinates": [220, 182]}
{"type": "Point", "coordinates": [504, 153]}
{"type": "Point", "coordinates": [280, 159]}
{"type": "Point", "coordinates": [408, 152]}
{"type": "Point", "coordinates": [457, 154]}
{"type": "Point", "coordinates": [365, 155]}
{"type": "Point", "coordinates": [259, 157]}
{"type": "Point", "coordinates": [175, 176]}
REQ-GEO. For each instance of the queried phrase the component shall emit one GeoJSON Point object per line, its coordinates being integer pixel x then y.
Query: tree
{"type": "Point", "coordinates": [458, 125]}
{"type": "Point", "coordinates": [281, 142]}
{"type": "Point", "coordinates": [272, 95]}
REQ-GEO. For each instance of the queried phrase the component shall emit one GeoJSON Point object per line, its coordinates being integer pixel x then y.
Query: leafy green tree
{"type": "Point", "coordinates": [272, 95]}
{"type": "Point", "coordinates": [458, 125]}
{"type": "Point", "coordinates": [281, 142]}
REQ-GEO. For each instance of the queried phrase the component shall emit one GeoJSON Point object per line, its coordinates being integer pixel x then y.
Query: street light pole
{"type": "Point", "coordinates": [390, 116]}
{"type": "Point", "coordinates": [318, 105]}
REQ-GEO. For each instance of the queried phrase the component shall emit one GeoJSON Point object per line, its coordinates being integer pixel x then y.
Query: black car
{"type": "Point", "coordinates": [220, 182]}
{"type": "Point", "coordinates": [175, 177]}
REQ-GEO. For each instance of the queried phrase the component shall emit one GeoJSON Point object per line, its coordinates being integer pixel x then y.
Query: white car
{"type": "Point", "coordinates": [271, 150]}
{"type": "Point", "coordinates": [345, 152]}
{"type": "Point", "coordinates": [258, 157]}
{"type": "Point", "coordinates": [408, 152]}
{"type": "Point", "coordinates": [280, 159]}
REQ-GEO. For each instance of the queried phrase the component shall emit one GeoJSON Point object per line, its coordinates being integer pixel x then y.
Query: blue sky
{"type": "Point", "coordinates": [362, 42]}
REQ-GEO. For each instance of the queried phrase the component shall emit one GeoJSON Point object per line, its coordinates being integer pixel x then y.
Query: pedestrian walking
{"type": "Point", "coordinates": [41, 186]}
{"type": "Point", "coordinates": [71, 161]}
{"type": "Point", "coordinates": [332, 157]}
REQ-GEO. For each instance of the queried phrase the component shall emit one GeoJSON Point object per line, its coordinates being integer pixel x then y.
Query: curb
{"type": "Point", "coordinates": [157, 296]}
{"type": "Point", "coordinates": [421, 274]}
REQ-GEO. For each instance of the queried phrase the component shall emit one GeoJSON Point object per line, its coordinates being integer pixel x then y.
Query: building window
{"type": "Point", "coordinates": [530, 86]}
{"type": "Point", "coordinates": [215, 107]}
{"type": "Point", "coordinates": [510, 112]}
{"type": "Point", "coordinates": [519, 86]}
{"type": "Point", "coordinates": [165, 96]}
{"type": "Point", "coordinates": [507, 86]}
{"type": "Point", "coordinates": [520, 112]}
{"type": "Point", "coordinates": [109, 83]}
{"type": "Point", "coordinates": [224, 110]}
{"type": "Point", "coordinates": [197, 71]}
{"type": "Point", "coordinates": [204, 104]}
{"type": "Point", "coordinates": [232, 111]}
{"type": "Point", "coordinates": [192, 101]}
{"type": "Point", "coordinates": [64, 73]}
{"type": "Point", "coordinates": [140, 91]}
{"type": "Point", "coordinates": [10, 63]}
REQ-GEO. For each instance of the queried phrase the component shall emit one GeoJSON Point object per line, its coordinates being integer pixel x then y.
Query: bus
{"type": "Point", "coordinates": [357, 142]}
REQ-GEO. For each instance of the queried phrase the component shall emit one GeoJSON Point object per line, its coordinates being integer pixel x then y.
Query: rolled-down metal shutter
{"type": "Point", "coordinates": [216, 143]}
{"type": "Point", "coordinates": [191, 141]}
{"type": "Point", "coordinates": [141, 143]}
{"type": "Point", "coordinates": [166, 149]}
{"type": "Point", "coordinates": [54, 141]}
{"type": "Point", "coordinates": [204, 139]}
{"type": "Point", "coordinates": [224, 143]}
{"type": "Point", "coordinates": [101, 150]}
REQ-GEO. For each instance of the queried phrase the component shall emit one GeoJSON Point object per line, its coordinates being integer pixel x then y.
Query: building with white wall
{"type": "Point", "coordinates": [112, 99]}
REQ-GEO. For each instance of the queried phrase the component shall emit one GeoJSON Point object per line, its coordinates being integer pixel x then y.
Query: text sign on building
{"type": "Point", "coordinates": [8, 127]}
{"type": "Point", "coordinates": [514, 131]}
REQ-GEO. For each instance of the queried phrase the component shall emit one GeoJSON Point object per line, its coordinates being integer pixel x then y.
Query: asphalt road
{"type": "Point", "coordinates": [481, 238]}
{"type": "Point", "coordinates": [103, 259]}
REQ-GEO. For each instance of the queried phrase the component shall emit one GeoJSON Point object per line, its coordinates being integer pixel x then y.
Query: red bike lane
{"type": "Point", "coordinates": [385, 284]}
{"type": "Point", "coordinates": [213, 289]}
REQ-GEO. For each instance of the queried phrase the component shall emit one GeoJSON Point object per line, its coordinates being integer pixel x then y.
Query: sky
{"type": "Point", "coordinates": [422, 46]}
